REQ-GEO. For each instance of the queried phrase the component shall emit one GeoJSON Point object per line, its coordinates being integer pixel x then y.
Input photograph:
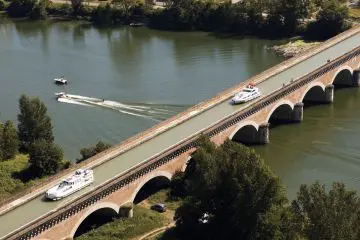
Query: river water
{"type": "Point", "coordinates": [147, 76]}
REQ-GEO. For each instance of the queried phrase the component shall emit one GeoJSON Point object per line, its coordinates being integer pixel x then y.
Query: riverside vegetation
{"type": "Point", "coordinates": [227, 192]}
{"type": "Point", "coordinates": [28, 153]}
{"type": "Point", "coordinates": [314, 19]}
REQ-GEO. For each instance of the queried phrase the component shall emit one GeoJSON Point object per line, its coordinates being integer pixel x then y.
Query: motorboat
{"type": "Point", "coordinates": [248, 93]}
{"type": "Point", "coordinates": [136, 24]}
{"type": "Point", "coordinates": [61, 80]}
{"type": "Point", "coordinates": [73, 183]}
{"type": "Point", "coordinates": [60, 94]}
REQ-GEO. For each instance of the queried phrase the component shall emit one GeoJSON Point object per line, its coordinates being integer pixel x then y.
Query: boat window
{"type": "Point", "coordinates": [246, 90]}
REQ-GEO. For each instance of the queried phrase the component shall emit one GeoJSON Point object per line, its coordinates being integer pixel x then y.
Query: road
{"type": "Point", "coordinates": [37, 207]}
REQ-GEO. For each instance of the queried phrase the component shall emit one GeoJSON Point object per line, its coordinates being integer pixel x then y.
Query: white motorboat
{"type": "Point", "coordinates": [73, 183]}
{"type": "Point", "coordinates": [248, 93]}
{"type": "Point", "coordinates": [60, 94]}
{"type": "Point", "coordinates": [60, 80]}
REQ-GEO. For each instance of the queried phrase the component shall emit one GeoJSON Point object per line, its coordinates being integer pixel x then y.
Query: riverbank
{"type": "Point", "coordinates": [294, 47]}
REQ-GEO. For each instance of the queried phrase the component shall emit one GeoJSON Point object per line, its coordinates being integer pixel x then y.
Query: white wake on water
{"type": "Point", "coordinates": [154, 112]}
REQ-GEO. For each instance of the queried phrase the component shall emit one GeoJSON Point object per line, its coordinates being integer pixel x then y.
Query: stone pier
{"type": "Point", "coordinates": [298, 112]}
{"type": "Point", "coordinates": [263, 134]}
{"type": "Point", "coordinates": [329, 93]}
{"type": "Point", "coordinates": [356, 78]}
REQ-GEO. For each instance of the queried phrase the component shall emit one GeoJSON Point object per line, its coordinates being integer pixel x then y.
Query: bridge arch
{"type": "Point", "coordinates": [107, 209]}
{"type": "Point", "coordinates": [157, 176]}
{"type": "Point", "coordinates": [245, 133]}
{"type": "Point", "coordinates": [282, 111]}
{"type": "Point", "coordinates": [343, 76]}
{"type": "Point", "coordinates": [187, 162]}
{"type": "Point", "coordinates": [315, 92]}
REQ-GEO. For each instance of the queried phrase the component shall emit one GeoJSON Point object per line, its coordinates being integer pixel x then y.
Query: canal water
{"type": "Point", "coordinates": [146, 76]}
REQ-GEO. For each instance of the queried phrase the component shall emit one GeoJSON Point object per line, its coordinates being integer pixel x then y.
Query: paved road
{"type": "Point", "coordinates": [37, 207]}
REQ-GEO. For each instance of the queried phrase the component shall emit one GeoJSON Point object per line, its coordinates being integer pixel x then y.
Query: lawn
{"type": "Point", "coordinates": [163, 197]}
{"type": "Point", "coordinates": [10, 185]}
{"type": "Point", "coordinates": [143, 221]}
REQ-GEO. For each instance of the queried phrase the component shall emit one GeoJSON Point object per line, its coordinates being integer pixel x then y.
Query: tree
{"type": "Point", "coordinates": [92, 150]}
{"type": "Point", "coordinates": [77, 6]}
{"type": "Point", "coordinates": [2, 5]}
{"type": "Point", "coordinates": [10, 141]}
{"type": "Point", "coordinates": [20, 8]}
{"type": "Point", "coordinates": [44, 158]}
{"type": "Point", "coordinates": [125, 6]}
{"type": "Point", "coordinates": [39, 10]}
{"type": "Point", "coordinates": [232, 195]}
{"type": "Point", "coordinates": [34, 123]}
{"type": "Point", "coordinates": [330, 21]}
{"type": "Point", "coordinates": [328, 215]}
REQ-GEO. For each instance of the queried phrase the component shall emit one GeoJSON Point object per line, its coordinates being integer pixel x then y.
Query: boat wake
{"type": "Point", "coordinates": [155, 112]}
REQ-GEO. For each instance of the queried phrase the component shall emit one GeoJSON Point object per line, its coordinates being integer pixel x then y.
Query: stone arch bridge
{"type": "Point", "coordinates": [334, 63]}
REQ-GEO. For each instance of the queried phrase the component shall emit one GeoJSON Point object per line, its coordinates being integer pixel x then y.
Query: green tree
{"type": "Point", "coordinates": [330, 21]}
{"type": "Point", "coordinates": [44, 158]}
{"type": "Point", "coordinates": [2, 5]}
{"type": "Point", "coordinates": [34, 123]}
{"type": "Point", "coordinates": [328, 215]}
{"type": "Point", "coordinates": [20, 8]}
{"type": "Point", "coordinates": [92, 151]}
{"type": "Point", "coordinates": [10, 141]}
{"type": "Point", "coordinates": [232, 195]}
{"type": "Point", "coordinates": [39, 11]}
{"type": "Point", "coordinates": [77, 6]}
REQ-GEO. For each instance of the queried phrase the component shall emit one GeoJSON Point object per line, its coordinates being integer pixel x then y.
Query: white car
{"type": "Point", "coordinates": [73, 183]}
{"type": "Point", "coordinates": [246, 94]}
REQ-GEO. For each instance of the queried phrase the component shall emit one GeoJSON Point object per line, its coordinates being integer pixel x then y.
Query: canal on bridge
{"type": "Point", "coordinates": [141, 66]}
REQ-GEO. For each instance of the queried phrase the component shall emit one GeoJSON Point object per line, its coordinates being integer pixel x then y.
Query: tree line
{"type": "Point", "coordinates": [34, 137]}
{"type": "Point", "coordinates": [317, 19]}
{"type": "Point", "coordinates": [229, 193]}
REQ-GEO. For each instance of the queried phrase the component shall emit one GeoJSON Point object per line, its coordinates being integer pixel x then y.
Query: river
{"type": "Point", "coordinates": [151, 75]}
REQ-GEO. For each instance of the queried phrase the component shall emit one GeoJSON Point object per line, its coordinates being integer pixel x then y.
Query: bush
{"type": "Point", "coordinates": [45, 158]}
{"type": "Point", "coordinates": [60, 9]}
{"type": "Point", "coordinates": [20, 8]}
{"type": "Point", "coordinates": [2, 5]}
{"type": "Point", "coordinates": [92, 151]}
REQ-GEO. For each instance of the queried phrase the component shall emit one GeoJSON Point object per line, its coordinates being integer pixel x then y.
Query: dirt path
{"type": "Point", "coordinates": [156, 231]}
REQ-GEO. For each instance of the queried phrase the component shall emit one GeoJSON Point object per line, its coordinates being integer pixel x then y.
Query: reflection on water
{"type": "Point", "coordinates": [323, 147]}
{"type": "Point", "coordinates": [163, 70]}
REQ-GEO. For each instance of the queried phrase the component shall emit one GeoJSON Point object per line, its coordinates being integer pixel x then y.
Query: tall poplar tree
{"type": "Point", "coordinates": [34, 123]}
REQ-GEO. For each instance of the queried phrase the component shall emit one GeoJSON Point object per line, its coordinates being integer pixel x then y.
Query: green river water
{"type": "Point", "coordinates": [151, 75]}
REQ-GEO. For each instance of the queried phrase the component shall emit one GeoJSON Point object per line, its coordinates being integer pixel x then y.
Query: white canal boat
{"type": "Point", "coordinates": [248, 93]}
{"type": "Point", "coordinates": [73, 183]}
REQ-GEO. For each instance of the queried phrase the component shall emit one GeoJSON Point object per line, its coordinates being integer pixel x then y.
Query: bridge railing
{"type": "Point", "coordinates": [52, 218]}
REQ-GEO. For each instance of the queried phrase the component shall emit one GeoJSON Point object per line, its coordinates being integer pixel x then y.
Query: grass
{"type": "Point", "coordinates": [354, 12]}
{"type": "Point", "coordinates": [9, 184]}
{"type": "Point", "coordinates": [143, 221]}
{"type": "Point", "coordinates": [163, 197]}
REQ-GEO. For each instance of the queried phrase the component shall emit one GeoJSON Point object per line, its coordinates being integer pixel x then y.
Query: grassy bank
{"type": "Point", "coordinates": [10, 184]}
{"type": "Point", "coordinates": [294, 47]}
{"type": "Point", "coordinates": [144, 221]}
